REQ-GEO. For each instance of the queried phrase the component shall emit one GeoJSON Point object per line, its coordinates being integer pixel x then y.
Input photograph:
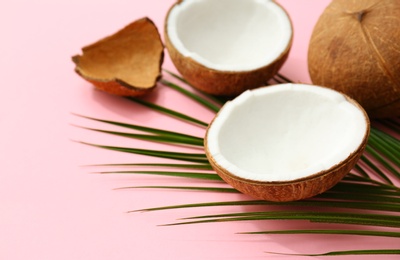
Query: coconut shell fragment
{"type": "Point", "coordinates": [355, 49]}
{"type": "Point", "coordinates": [127, 63]}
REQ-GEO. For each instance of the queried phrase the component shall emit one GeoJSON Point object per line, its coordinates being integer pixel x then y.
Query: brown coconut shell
{"type": "Point", "coordinates": [355, 49]}
{"type": "Point", "coordinates": [298, 189]}
{"type": "Point", "coordinates": [127, 63]}
{"type": "Point", "coordinates": [221, 83]}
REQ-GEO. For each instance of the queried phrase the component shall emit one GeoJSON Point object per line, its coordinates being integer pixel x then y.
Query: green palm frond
{"type": "Point", "coordinates": [218, 100]}
{"type": "Point", "coordinates": [150, 130]}
{"type": "Point", "coordinates": [379, 220]}
{"type": "Point", "coordinates": [211, 189]}
{"type": "Point", "coordinates": [305, 203]}
{"type": "Point", "coordinates": [197, 98]}
{"type": "Point", "coordinates": [326, 232]}
{"type": "Point", "coordinates": [366, 201]}
{"type": "Point", "coordinates": [349, 252]}
{"type": "Point", "coordinates": [392, 124]}
{"type": "Point", "coordinates": [164, 165]}
{"type": "Point", "coordinates": [154, 138]}
{"type": "Point", "coordinates": [167, 111]}
{"type": "Point", "coordinates": [193, 175]}
{"type": "Point", "coordinates": [189, 157]}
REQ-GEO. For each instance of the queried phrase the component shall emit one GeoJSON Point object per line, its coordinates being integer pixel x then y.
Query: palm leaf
{"type": "Point", "coordinates": [306, 203]}
{"type": "Point", "coordinates": [374, 167]}
{"type": "Point", "coordinates": [392, 124]}
{"type": "Point", "coordinates": [217, 100]}
{"type": "Point", "coordinates": [349, 252]}
{"type": "Point", "coordinates": [327, 232]}
{"type": "Point", "coordinates": [193, 96]}
{"type": "Point", "coordinates": [166, 165]}
{"type": "Point", "coordinates": [150, 130]}
{"type": "Point", "coordinates": [211, 189]}
{"type": "Point", "coordinates": [379, 220]}
{"type": "Point", "coordinates": [190, 157]}
{"type": "Point", "coordinates": [383, 160]}
{"type": "Point", "coordinates": [367, 197]}
{"type": "Point", "coordinates": [193, 175]}
{"type": "Point", "coordinates": [167, 111]}
{"type": "Point", "coordinates": [154, 138]}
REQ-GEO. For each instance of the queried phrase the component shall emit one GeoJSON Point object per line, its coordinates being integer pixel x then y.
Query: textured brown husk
{"type": "Point", "coordinates": [355, 49]}
{"type": "Point", "coordinates": [221, 83]}
{"type": "Point", "coordinates": [292, 190]}
{"type": "Point", "coordinates": [127, 63]}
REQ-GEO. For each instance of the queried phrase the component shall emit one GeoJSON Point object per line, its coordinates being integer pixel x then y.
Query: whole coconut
{"type": "Point", "coordinates": [355, 49]}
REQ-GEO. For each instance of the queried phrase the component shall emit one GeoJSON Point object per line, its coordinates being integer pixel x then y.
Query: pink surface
{"type": "Point", "coordinates": [51, 206]}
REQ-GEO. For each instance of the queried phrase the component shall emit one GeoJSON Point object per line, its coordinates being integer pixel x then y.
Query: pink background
{"type": "Point", "coordinates": [52, 207]}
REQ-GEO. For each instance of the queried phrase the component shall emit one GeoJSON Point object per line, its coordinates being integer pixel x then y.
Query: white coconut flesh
{"type": "Point", "coordinates": [285, 132]}
{"type": "Point", "coordinates": [230, 35]}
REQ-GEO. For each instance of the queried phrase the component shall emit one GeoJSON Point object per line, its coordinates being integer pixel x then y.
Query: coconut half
{"type": "Point", "coordinates": [286, 142]}
{"type": "Point", "coordinates": [127, 63]}
{"type": "Point", "coordinates": [225, 47]}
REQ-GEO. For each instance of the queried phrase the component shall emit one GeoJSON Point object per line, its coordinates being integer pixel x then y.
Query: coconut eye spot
{"type": "Point", "coordinates": [285, 132]}
{"type": "Point", "coordinates": [230, 35]}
